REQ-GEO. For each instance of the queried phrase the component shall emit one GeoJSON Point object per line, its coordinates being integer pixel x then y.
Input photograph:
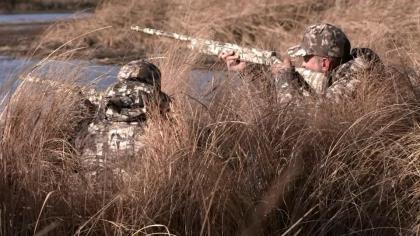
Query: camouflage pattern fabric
{"type": "Point", "coordinates": [340, 83]}
{"type": "Point", "coordinates": [290, 86]}
{"type": "Point", "coordinates": [106, 143]}
{"type": "Point", "coordinates": [317, 82]}
{"type": "Point", "coordinates": [92, 97]}
{"type": "Point", "coordinates": [140, 71]}
{"type": "Point", "coordinates": [295, 84]}
{"type": "Point", "coordinates": [211, 47]}
{"type": "Point", "coordinates": [344, 79]}
{"type": "Point", "coordinates": [117, 132]}
{"type": "Point", "coordinates": [322, 40]}
{"type": "Point", "coordinates": [126, 101]}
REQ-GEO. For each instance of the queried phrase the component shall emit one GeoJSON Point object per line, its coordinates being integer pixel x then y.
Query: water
{"type": "Point", "coordinates": [99, 75]}
{"type": "Point", "coordinates": [201, 82]}
{"type": "Point", "coordinates": [39, 17]}
{"type": "Point", "coordinates": [85, 72]}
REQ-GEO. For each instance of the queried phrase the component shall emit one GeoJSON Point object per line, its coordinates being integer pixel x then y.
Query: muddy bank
{"type": "Point", "coordinates": [22, 40]}
{"type": "Point", "coordinates": [20, 36]}
{"type": "Point", "coordinates": [18, 39]}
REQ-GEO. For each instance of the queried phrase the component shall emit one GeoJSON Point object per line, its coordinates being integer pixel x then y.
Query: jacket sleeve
{"type": "Point", "coordinates": [289, 86]}
{"type": "Point", "coordinates": [285, 86]}
{"type": "Point", "coordinates": [346, 79]}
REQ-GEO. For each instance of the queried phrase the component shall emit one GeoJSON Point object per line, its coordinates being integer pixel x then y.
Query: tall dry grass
{"type": "Point", "coordinates": [231, 162]}
{"type": "Point", "coordinates": [241, 164]}
{"type": "Point", "coordinates": [389, 27]}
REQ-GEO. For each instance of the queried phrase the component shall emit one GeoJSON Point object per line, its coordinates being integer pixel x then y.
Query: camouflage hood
{"type": "Point", "coordinates": [141, 71]}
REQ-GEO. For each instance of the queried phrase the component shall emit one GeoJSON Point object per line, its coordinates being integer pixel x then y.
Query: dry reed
{"type": "Point", "coordinates": [233, 161]}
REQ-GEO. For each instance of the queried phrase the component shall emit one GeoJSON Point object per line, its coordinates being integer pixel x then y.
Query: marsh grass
{"type": "Point", "coordinates": [389, 27]}
{"type": "Point", "coordinates": [232, 162]}
{"type": "Point", "coordinates": [241, 163]}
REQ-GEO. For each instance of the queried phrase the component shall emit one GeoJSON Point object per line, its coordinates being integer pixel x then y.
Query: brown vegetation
{"type": "Point", "coordinates": [389, 27]}
{"type": "Point", "coordinates": [239, 164]}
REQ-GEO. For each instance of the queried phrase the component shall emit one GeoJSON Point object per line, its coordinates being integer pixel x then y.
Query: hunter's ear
{"type": "Point", "coordinates": [325, 64]}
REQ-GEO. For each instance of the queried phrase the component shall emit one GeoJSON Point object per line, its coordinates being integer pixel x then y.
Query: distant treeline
{"type": "Point", "coordinates": [45, 5]}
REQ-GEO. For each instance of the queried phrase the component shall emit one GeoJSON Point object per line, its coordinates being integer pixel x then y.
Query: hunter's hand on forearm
{"type": "Point", "coordinates": [232, 61]}
{"type": "Point", "coordinates": [284, 66]}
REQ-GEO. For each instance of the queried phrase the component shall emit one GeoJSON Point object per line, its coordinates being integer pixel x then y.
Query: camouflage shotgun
{"type": "Point", "coordinates": [211, 47]}
{"type": "Point", "coordinates": [254, 55]}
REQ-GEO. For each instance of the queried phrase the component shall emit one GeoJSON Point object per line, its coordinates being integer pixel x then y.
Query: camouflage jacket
{"type": "Point", "coordinates": [338, 84]}
{"type": "Point", "coordinates": [118, 127]}
{"type": "Point", "coordinates": [105, 143]}
{"type": "Point", "coordinates": [343, 80]}
{"type": "Point", "coordinates": [130, 101]}
{"type": "Point", "coordinates": [287, 86]}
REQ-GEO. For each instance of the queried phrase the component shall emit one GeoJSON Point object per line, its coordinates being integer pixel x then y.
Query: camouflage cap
{"type": "Point", "coordinates": [322, 40]}
{"type": "Point", "coordinates": [141, 71]}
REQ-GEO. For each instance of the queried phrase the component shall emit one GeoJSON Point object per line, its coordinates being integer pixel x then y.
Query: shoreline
{"type": "Point", "coordinates": [17, 39]}
{"type": "Point", "coordinates": [46, 7]}
{"type": "Point", "coordinates": [15, 12]}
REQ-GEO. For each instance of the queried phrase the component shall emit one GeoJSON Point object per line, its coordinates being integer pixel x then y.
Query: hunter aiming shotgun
{"type": "Point", "coordinates": [253, 55]}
